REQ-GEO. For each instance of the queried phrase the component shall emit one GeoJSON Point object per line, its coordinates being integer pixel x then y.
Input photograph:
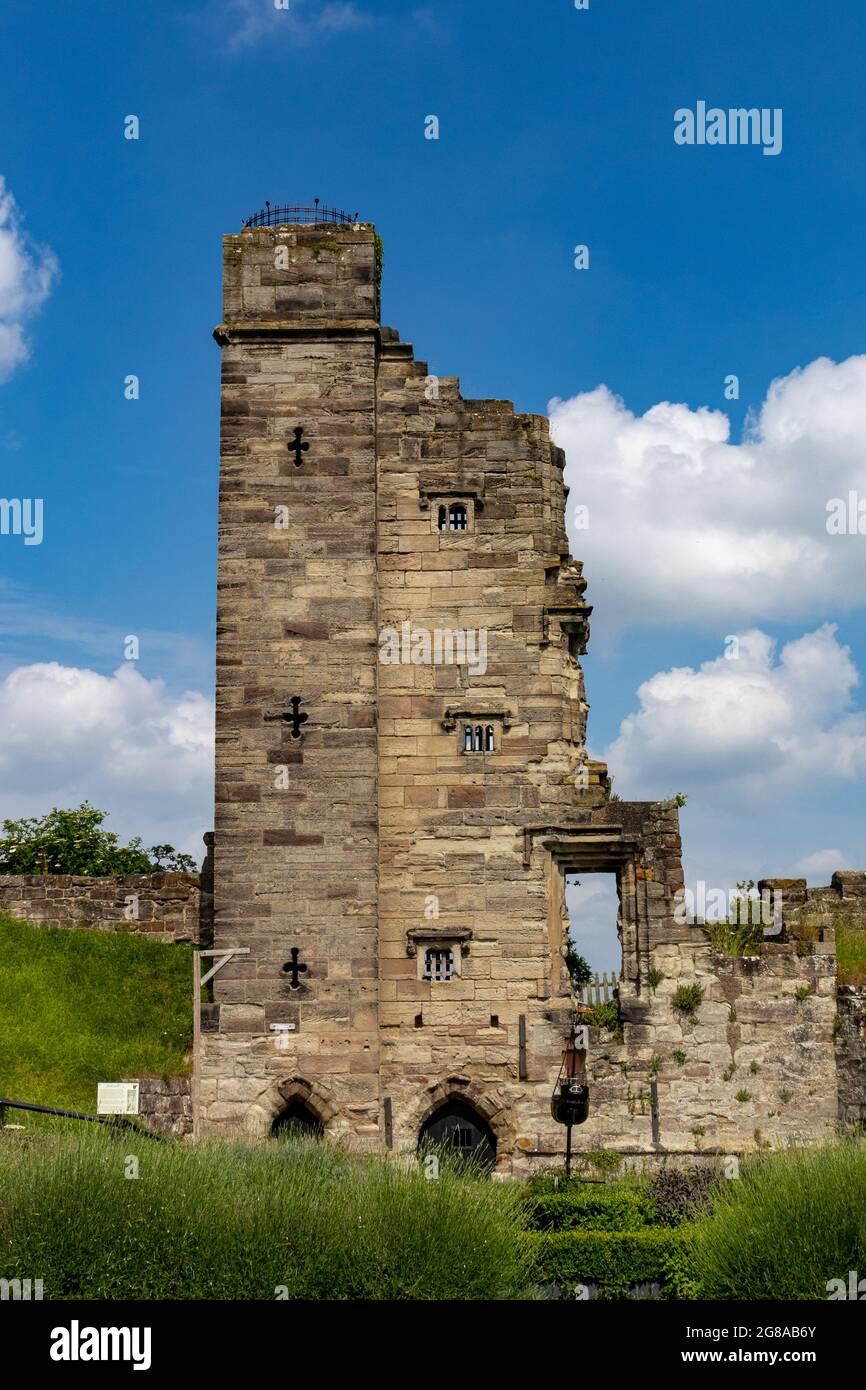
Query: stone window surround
{"type": "Point", "coordinates": [604, 849]}
{"type": "Point", "coordinates": [457, 719]}
{"type": "Point", "coordinates": [459, 503]}
{"type": "Point", "coordinates": [421, 939]}
{"type": "Point", "coordinates": [483, 733]}
{"type": "Point", "coordinates": [433, 496]}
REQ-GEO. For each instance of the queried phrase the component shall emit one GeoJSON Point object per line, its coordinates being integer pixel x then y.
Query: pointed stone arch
{"type": "Point", "coordinates": [483, 1099]}
{"type": "Point", "coordinates": [294, 1090]}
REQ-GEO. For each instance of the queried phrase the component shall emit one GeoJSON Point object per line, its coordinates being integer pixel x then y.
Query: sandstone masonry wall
{"type": "Point", "coordinates": [841, 905]}
{"type": "Point", "coordinates": [165, 1104]}
{"type": "Point", "coordinates": [296, 830]}
{"type": "Point", "coordinates": [851, 1058]}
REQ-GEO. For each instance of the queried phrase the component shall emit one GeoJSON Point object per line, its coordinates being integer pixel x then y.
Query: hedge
{"type": "Point", "coordinates": [610, 1259]}
{"type": "Point", "coordinates": [593, 1208]}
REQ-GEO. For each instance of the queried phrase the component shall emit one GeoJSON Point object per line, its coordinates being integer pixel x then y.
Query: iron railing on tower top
{"type": "Point", "coordinates": [274, 215]}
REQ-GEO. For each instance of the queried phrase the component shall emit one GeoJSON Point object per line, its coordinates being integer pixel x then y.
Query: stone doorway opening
{"type": "Point", "coordinates": [595, 949]}
{"type": "Point", "coordinates": [457, 1127]}
{"type": "Point", "coordinates": [297, 1121]}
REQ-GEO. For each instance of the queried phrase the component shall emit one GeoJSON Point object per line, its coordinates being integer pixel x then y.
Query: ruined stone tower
{"type": "Point", "coordinates": [402, 781]}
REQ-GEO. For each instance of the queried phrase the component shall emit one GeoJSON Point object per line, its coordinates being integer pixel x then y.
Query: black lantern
{"type": "Point", "coordinates": [569, 1104]}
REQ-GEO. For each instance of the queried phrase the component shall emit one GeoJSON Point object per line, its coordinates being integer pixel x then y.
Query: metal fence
{"type": "Point", "coordinates": [278, 213]}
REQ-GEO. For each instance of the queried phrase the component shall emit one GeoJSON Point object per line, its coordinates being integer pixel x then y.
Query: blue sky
{"type": "Point", "coordinates": [556, 129]}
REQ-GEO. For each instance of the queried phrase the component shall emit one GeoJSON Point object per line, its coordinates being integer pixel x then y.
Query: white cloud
{"type": "Point", "coordinates": [27, 273]}
{"type": "Point", "coordinates": [121, 742]}
{"type": "Point", "coordinates": [299, 22]}
{"type": "Point", "coordinates": [822, 864]}
{"type": "Point", "coordinates": [685, 526]}
{"type": "Point", "coordinates": [755, 728]}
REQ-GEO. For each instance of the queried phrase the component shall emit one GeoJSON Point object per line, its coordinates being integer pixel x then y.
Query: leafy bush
{"type": "Point", "coordinates": [613, 1260]}
{"type": "Point", "coordinates": [603, 1015]}
{"type": "Point", "coordinates": [239, 1221]}
{"type": "Point", "coordinates": [790, 1223]}
{"type": "Point", "coordinates": [74, 842]}
{"type": "Point", "coordinates": [678, 1195]}
{"type": "Point", "coordinates": [678, 1269]}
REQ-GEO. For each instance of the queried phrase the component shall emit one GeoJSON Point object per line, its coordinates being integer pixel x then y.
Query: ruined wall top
{"type": "Point", "coordinates": [295, 277]}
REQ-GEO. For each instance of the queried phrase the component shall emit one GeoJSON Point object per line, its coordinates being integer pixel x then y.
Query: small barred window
{"type": "Point", "coordinates": [454, 517]}
{"type": "Point", "coordinates": [438, 963]}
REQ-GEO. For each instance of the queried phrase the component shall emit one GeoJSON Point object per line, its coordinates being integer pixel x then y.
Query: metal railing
{"type": "Point", "coordinates": [119, 1121]}
{"type": "Point", "coordinates": [278, 213]}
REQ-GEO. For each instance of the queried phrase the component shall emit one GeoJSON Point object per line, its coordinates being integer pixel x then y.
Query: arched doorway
{"type": "Point", "coordinates": [459, 1127]}
{"type": "Point", "coordinates": [297, 1121]}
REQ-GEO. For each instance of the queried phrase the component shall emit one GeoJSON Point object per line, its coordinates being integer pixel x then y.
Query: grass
{"type": "Point", "coordinates": [790, 1223]}
{"type": "Point", "coordinates": [78, 1007]}
{"type": "Point", "coordinates": [850, 944]}
{"type": "Point", "coordinates": [291, 1219]}
{"type": "Point", "coordinates": [736, 938]}
{"type": "Point", "coordinates": [851, 951]}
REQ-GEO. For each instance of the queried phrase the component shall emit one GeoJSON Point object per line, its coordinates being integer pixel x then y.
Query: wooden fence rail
{"type": "Point", "coordinates": [600, 990]}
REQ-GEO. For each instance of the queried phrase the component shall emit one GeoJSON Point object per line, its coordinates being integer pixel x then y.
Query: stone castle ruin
{"type": "Point", "coordinates": [402, 782]}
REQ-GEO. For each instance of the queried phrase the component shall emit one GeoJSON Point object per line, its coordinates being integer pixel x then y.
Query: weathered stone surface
{"type": "Point", "coordinates": [851, 1059]}
{"type": "Point", "coordinates": [165, 1103]}
{"type": "Point", "coordinates": [167, 906]}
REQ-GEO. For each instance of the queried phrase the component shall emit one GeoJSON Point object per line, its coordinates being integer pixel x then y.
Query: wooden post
{"type": "Point", "coordinates": [224, 954]}
{"type": "Point", "coordinates": [389, 1122]}
{"type": "Point", "coordinates": [196, 1039]}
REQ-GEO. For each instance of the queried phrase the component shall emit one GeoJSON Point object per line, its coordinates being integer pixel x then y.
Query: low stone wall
{"type": "Point", "coordinates": [164, 905]}
{"type": "Point", "coordinates": [809, 910]}
{"type": "Point", "coordinates": [752, 1065]}
{"type": "Point", "coordinates": [165, 1103]}
{"type": "Point", "coordinates": [851, 1057]}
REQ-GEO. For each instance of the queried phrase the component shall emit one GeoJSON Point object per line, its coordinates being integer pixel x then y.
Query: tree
{"type": "Point", "coordinates": [578, 969]}
{"type": "Point", "coordinates": [74, 842]}
{"type": "Point", "coordinates": [167, 857]}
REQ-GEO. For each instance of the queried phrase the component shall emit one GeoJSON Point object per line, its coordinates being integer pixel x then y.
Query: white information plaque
{"type": "Point", "coordinates": [117, 1098]}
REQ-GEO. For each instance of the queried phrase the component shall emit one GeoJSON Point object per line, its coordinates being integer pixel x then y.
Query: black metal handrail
{"type": "Point", "coordinates": [273, 216]}
{"type": "Point", "coordinates": [123, 1121]}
